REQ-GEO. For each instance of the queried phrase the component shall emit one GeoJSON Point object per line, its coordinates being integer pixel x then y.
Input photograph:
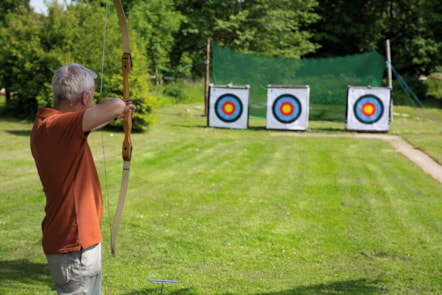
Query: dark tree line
{"type": "Point", "coordinates": [172, 34]}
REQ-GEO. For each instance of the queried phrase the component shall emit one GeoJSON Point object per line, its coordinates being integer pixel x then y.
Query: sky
{"type": "Point", "coordinates": [40, 6]}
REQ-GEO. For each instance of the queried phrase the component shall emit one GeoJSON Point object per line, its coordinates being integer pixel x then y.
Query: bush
{"type": "Point", "coordinates": [399, 94]}
{"type": "Point", "coordinates": [180, 91]}
{"type": "Point", "coordinates": [146, 102]}
{"type": "Point", "coordinates": [434, 83]}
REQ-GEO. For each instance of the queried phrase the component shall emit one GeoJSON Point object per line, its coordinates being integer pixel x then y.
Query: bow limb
{"type": "Point", "coordinates": [127, 144]}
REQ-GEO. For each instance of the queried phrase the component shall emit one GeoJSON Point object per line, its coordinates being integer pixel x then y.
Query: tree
{"type": "Point", "coordinates": [155, 22]}
{"type": "Point", "coordinates": [196, 27]}
{"type": "Point", "coordinates": [414, 29]}
{"type": "Point", "coordinates": [350, 27]}
{"type": "Point", "coordinates": [71, 34]}
{"type": "Point", "coordinates": [8, 6]}
{"type": "Point", "coordinates": [267, 27]}
{"type": "Point", "coordinates": [24, 66]}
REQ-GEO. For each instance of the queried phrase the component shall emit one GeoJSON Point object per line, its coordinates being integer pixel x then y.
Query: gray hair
{"type": "Point", "coordinates": [70, 81]}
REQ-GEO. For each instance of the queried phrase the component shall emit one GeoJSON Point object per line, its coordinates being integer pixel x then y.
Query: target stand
{"type": "Point", "coordinates": [287, 107]}
{"type": "Point", "coordinates": [368, 109]}
{"type": "Point", "coordinates": [162, 282]}
{"type": "Point", "coordinates": [229, 106]}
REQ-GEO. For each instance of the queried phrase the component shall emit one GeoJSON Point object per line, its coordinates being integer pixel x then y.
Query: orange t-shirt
{"type": "Point", "coordinates": [70, 181]}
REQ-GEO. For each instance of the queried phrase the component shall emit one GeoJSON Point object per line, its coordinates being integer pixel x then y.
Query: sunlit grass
{"type": "Point", "coordinates": [242, 211]}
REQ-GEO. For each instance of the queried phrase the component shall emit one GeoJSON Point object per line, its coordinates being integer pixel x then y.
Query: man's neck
{"type": "Point", "coordinates": [66, 108]}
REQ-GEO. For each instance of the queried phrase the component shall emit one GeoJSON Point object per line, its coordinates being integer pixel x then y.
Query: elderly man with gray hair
{"type": "Point", "coordinates": [72, 224]}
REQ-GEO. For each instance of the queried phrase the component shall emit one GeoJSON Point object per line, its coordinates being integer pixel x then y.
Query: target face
{"type": "Point", "coordinates": [228, 108]}
{"type": "Point", "coordinates": [368, 109]}
{"type": "Point", "coordinates": [286, 108]}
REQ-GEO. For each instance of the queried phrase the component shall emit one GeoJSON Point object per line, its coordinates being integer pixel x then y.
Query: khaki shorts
{"type": "Point", "coordinates": [77, 273]}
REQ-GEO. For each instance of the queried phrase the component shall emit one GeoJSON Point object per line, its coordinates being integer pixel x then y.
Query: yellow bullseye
{"type": "Point", "coordinates": [228, 108]}
{"type": "Point", "coordinates": [287, 109]}
{"type": "Point", "coordinates": [368, 109]}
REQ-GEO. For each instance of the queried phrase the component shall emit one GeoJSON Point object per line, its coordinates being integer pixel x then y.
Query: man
{"type": "Point", "coordinates": [71, 228]}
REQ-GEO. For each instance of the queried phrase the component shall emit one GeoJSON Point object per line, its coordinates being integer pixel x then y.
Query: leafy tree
{"type": "Point", "coordinates": [24, 66]}
{"type": "Point", "coordinates": [267, 27]}
{"type": "Point", "coordinates": [71, 34]}
{"type": "Point", "coordinates": [414, 28]}
{"type": "Point", "coordinates": [156, 21]}
{"type": "Point", "coordinates": [8, 6]}
{"type": "Point", "coordinates": [197, 26]}
{"type": "Point", "coordinates": [349, 27]}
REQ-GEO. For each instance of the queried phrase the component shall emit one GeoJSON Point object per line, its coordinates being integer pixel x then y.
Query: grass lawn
{"type": "Point", "coordinates": [422, 128]}
{"type": "Point", "coordinates": [244, 212]}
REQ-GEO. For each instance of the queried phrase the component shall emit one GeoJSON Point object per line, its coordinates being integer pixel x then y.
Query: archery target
{"type": "Point", "coordinates": [228, 107]}
{"type": "Point", "coordinates": [287, 107]}
{"type": "Point", "coordinates": [368, 109]}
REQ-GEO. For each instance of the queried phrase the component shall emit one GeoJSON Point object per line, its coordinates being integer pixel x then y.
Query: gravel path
{"type": "Point", "coordinates": [425, 162]}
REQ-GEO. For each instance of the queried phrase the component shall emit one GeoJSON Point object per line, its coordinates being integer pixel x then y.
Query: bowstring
{"type": "Point", "coordinates": [102, 136]}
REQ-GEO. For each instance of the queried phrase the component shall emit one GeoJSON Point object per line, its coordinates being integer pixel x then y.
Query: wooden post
{"type": "Point", "coordinates": [390, 80]}
{"type": "Point", "coordinates": [207, 80]}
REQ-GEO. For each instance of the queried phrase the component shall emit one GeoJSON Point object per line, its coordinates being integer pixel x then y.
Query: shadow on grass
{"type": "Point", "coordinates": [351, 287]}
{"type": "Point", "coordinates": [25, 272]}
{"type": "Point", "coordinates": [327, 129]}
{"type": "Point", "coordinates": [195, 126]}
{"type": "Point", "coordinates": [20, 132]}
{"type": "Point", "coordinates": [360, 286]}
{"type": "Point", "coordinates": [156, 291]}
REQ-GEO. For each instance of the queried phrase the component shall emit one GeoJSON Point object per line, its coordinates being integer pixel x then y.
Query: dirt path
{"type": "Point", "coordinates": [421, 159]}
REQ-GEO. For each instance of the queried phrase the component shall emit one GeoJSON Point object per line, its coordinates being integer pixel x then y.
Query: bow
{"type": "Point", "coordinates": [127, 144]}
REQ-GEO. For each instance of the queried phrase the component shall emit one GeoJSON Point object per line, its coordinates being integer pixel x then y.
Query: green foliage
{"type": "Point", "coordinates": [185, 66]}
{"type": "Point", "coordinates": [416, 41]}
{"type": "Point", "coordinates": [399, 94]}
{"type": "Point", "coordinates": [434, 84]}
{"type": "Point", "coordinates": [146, 102]}
{"type": "Point", "coordinates": [172, 34]}
{"type": "Point", "coordinates": [8, 6]}
{"type": "Point", "coordinates": [155, 22]}
{"type": "Point", "coordinates": [171, 92]}
{"type": "Point", "coordinates": [65, 35]}
{"type": "Point", "coordinates": [180, 91]}
{"type": "Point", "coordinates": [24, 66]}
{"type": "Point", "coordinates": [348, 27]}
{"type": "Point", "coordinates": [274, 28]}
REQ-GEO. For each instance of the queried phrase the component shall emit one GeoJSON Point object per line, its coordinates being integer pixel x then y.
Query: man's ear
{"type": "Point", "coordinates": [84, 98]}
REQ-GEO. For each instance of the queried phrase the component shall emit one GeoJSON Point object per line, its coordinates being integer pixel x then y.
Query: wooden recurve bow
{"type": "Point", "coordinates": [127, 144]}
